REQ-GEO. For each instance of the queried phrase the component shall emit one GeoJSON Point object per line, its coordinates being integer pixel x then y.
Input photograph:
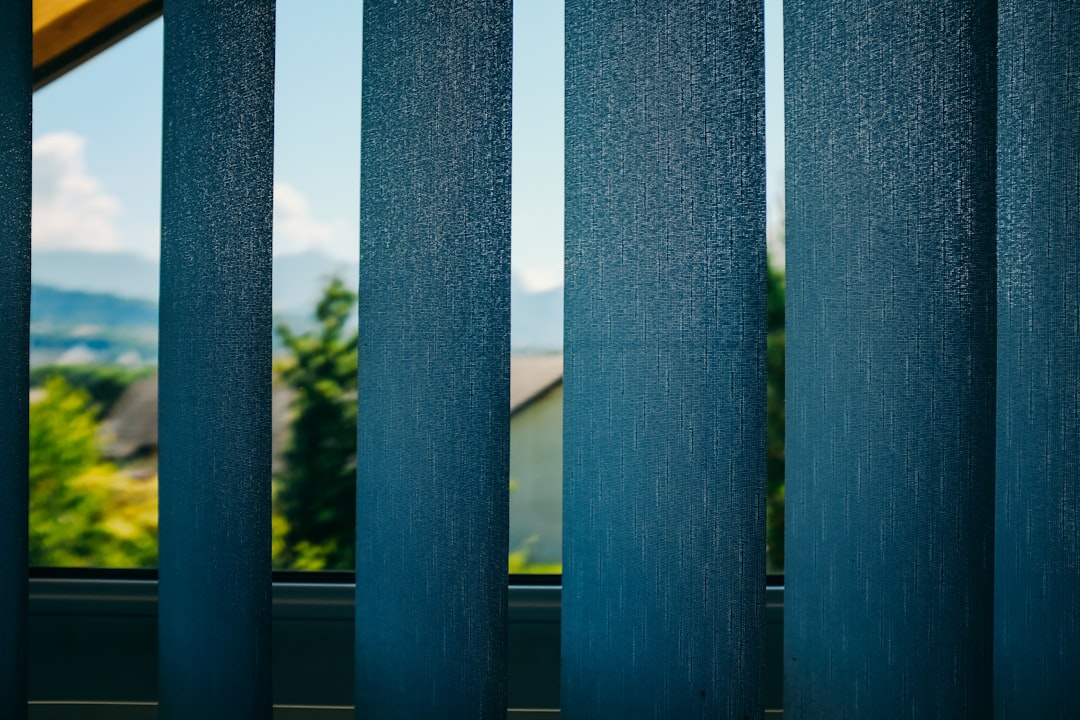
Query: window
{"type": "Point", "coordinates": [115, 403]}
{"type": "Point", "coordinates": [97, 190]}
{"type": "Point", "coordinates": [939, 201]}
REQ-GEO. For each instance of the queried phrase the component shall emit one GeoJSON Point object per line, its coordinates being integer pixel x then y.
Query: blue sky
{"type": "Point", "coordinates": [97, 133]}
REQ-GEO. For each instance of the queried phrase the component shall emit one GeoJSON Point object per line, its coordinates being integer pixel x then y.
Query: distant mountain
{"type": "Point", "coordinates": [66, 308]}
{"type": "Point", "coordinates": [112, 278]}
{"type": "Point", "coordinates": [75, 327]}
{"type": "Point", "coordinates": [118, 274]}
{"type": "Point", "coordinates": [298, 279]}
{"type": "Point", "coordinates": [536, 319]}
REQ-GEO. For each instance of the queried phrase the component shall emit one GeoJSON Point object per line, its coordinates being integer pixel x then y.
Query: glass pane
{"type": "Point", "coordinates": [774, 191]}
{"type": "Point", "coordinates": [536, 301]}
{"type": "Point", "coordinates": [316, 272]}
{"type": "Point", "coordinates": [93, 325]}
{"type": "Point", "coordinates": [97, 144]}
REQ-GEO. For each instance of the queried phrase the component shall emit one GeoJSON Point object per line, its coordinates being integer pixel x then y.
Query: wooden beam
{"type": "Point", "coordinates": [69, 32]}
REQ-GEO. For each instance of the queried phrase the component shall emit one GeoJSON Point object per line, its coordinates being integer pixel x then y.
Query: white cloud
{"type": "Point", "coordinates": [71, 209]}
{"type": "Point", "coordinates": [537, 244]}
{"type": "Point", "coordinates": [297, 231]}
{"type": "Point", "coordinates": [539, 279]}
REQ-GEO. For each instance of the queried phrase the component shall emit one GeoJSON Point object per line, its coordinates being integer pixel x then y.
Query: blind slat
{"type": "Point", "coordinates": [664, 411]}
{"type": "Point", "coordinates": [1037, 554]}
{"type": "Point", "coordinates": [890, 354]}
{"type": "Point", "coordinates": [215, 358]}
{"type": "Point", "coordinates": [15, 110]}
{"type": "Point", "coordinates": [433, 465]}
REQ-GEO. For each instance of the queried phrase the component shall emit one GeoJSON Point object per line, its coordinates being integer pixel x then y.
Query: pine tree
{"type": "Point", "coordinates": [317, 493]}
{"type": "Point", "coordinates": [774, 444]}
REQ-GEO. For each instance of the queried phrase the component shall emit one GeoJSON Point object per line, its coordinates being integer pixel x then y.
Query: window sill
{"type": "Point", "coordinates": [93, 649]}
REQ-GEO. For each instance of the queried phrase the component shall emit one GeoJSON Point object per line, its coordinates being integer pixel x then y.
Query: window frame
{"type": "Point", "coordinates": [93, 644]}
{"type": "Point", "coordinates": [92, 632]}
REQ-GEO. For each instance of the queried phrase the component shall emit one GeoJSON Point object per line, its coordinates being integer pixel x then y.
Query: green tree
{"type": "Point", "coordinates": [774, 443]}
{"type": "Point", "coordinates": [103, 383]}
{"type": "Point", "coordinates": [317, 490]}
{"type": "Point", "coordinates": [83, 512]}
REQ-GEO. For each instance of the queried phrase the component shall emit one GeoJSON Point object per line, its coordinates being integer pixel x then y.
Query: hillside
{"type": "Point", "coordinates": [66, 308]}
{"type": "Point", "coordinates": [74, 327]}
{"type": "Point", "coordinates": [97, 307]}
{"type": "Point", "coordinates": [297, 278]}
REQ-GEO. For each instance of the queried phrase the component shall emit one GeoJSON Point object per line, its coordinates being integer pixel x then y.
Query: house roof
{"type": "Point", "coordinates": [70, 32]}
{"type": "Point", "coordinates": [532, 377]}
{"type": "Point", "coordinates": [132, 423]}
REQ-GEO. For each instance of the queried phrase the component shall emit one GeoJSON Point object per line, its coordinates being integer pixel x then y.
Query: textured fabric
{"type": "Point", "coordinates": [214, 415]}
{"type": "Point", "coordinates": [433, 451]}
{"type": "Point", "coordinates": [664, 412]}
{"type": "Point", "coordinates": [890, 358]}
{"type": "Point", "coordinates": [1037, 555]}
{"type": "Point", "coordinates": [15, 77]}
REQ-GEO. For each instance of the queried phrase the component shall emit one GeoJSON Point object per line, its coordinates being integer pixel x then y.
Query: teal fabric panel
{"type": "Point", "coordinates": [434, 389]}
{"type": "Point", "coordinates": [890, 357]}
{"type": "Point", "coordinates": [664, 411]}
{"type": "Point", "coordinates": [215, 356]}
{"type": "Point", "coordinates": [1037, 554]}
{"type": "Point", "coordinates": [15, 108]}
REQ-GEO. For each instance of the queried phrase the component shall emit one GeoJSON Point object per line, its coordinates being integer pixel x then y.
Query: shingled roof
{"type": "Point", "coordinates": [131, 426]}
{"type": "Point", "coordinates": [532, 377]}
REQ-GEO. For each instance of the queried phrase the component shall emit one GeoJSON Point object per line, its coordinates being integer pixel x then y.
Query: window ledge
{"type": "Point", "coordinates": [93, 649]}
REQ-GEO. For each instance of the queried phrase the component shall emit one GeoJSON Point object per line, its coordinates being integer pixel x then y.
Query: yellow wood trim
{"type": "Point", "coordinates": [60, 25]}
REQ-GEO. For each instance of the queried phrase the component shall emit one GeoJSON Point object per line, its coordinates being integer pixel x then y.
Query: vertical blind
{"type": "Point", "coordinates": [215, 355]}
{"type": "Point", "coordinates": [664, 410]}
{"type": "Point", "coordinates": [890, 355]}
{"type": "Point", "coordinates": [933, 199]}
{"type": "Point", "coordinates": [15, 93]}
{"type": "Point", "coordinates": [1037, 554]}
{"type": "Point", "coordinates": [432, 522]}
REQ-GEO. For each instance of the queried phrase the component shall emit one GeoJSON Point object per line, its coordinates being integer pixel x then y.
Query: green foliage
{"type": "Point", "coordinates": [520, 560]}
{"type": "Point", "coordinates": [316, 497]}
{"type": "Point", "coordinates": [83, 512]}
{"type": "Point", "coordinates": [103, 383]}
{"type": "Point", "coordinates": [63, 435]}
{"type": "Point", "coordinates": [774, 443]}
{"type": "Point", "coordinates": [314, 521]}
